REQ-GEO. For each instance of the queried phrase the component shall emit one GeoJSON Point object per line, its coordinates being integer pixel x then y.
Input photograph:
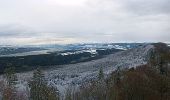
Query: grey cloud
{"type": "Point", "coordinates": [141, 7]}
{"type": "Point", "coordinates": [144, 7]}
{"type": "Point", "coordinates": [86, 20]}
{"type": "Point", "coordinates": [15, 30]}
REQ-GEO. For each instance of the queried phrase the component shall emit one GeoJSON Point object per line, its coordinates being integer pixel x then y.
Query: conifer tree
{"type": "Point", "coordinates": [11, 76]}
{"type": "Point", "coordinates": [39, 89]}
{"type": "Point", "coordinates": [101, 74]}
{"type": "Point", "coordinates": [10, 92]}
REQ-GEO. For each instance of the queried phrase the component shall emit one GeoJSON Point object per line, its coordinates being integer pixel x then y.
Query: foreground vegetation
{"type": "Point", "coordinates": [146, 82]}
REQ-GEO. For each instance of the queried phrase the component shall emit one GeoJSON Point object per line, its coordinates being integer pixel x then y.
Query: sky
{"type": "Point", "coordinates": [33, 22]}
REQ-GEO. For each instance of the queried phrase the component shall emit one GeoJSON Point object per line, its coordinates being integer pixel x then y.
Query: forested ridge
{"type": "Point", "coordinates": [31, 62]}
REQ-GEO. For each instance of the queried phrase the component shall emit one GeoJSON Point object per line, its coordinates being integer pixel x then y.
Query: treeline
{"type": "Point", "coordinates": [107, 51]}
{"type": "Point", "coordinates": [27, 63]}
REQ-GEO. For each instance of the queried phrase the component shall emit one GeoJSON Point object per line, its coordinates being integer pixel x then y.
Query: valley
{"type": "Point", "coordinates": [49, 55]}
{"type": "Point", "coordinates": [63, 76]}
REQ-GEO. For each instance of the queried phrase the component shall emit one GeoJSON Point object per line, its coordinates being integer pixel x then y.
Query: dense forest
{"type": "Point", "coordinates": [146, 82]}
{"type": "Point", "coordinates": [27, 63]}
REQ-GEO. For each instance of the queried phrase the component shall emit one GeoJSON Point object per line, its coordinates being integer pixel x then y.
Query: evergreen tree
{"type": "Point", "coordinates": [39, 89]}
{"type": "Point", "coordinates": [101, 74]}
{"type": "Point", "coordinates": [11, 76]}
{"type": "Point", "coordinates": [117, 76]}
{"type": "Point", "coordinates": [10, 92]}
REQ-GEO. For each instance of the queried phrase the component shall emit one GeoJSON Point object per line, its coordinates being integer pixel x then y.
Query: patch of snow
{"type": "Point", "coordinates": [119, 47]}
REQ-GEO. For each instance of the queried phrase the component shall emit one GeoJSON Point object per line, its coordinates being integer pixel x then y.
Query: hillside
{"type": "Point", "coordinates": [76, 74]}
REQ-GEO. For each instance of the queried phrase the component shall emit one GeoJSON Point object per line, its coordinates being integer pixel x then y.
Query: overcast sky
{"type": "Point", "coordinates": [77, 21]}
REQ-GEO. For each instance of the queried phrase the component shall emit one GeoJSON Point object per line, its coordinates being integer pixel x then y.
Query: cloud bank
{"type": "Point", "coordinates": [76, 21]}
